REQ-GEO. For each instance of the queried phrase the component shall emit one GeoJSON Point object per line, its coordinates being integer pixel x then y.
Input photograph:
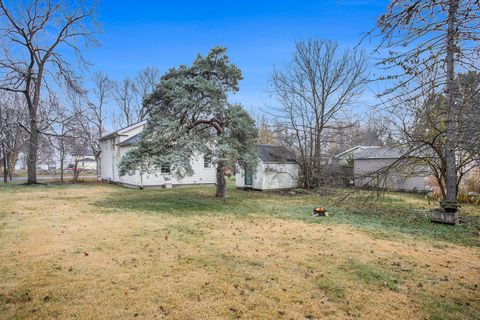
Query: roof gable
{"type": "Point", "coordinates": [355, 150]}
{"type": "Point", "coordinates": [132, 140]}
{"type": "Point", "coordinates": [123, 130]}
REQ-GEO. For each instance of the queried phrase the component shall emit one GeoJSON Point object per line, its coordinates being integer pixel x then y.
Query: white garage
{"type": "Point", "coordinates": [385, 169]}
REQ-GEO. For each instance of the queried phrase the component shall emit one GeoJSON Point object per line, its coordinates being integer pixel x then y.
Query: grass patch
{"type": "Point", "coordinates": [443, 309]}
{"type": "Point", "coordinates": [388, 218]}
{"type": "Point", "coordinates": [373, 275]}
{"type": "Point", "coordinates": [333, 289]}
{"type": "Point", "coordinates": [385, 226]}
{"type": "Point", "coordinates": [83, 250]}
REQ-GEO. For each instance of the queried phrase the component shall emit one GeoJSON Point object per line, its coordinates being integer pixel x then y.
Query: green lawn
{"type": "Point", "coordinates": [393, 215]}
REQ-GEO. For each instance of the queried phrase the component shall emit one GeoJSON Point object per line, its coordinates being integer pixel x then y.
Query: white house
{"type": "Point", "coordinates": [115, 145]}
{"type": "Point", "coordinates": [85, 162]}
{"type": "Point", "coordinates": [385, 168]}
{"type": "Point", "coordinates": [277, 169]}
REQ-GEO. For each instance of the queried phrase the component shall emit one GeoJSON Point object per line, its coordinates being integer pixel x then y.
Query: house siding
{"type": "Point", "coordinates": [111, 157]}
{"type": "Point", "coordinates": [271, 176]}
{"type": "Point", "coordinates": [411, 179]}
{"type": "Point", "coordinates": [257, 182]}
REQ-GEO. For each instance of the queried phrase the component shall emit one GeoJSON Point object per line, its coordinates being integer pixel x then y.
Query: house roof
{"type": "Point", "coordinates": [132, 140]}
{"type": "Point", "coordinates": [381, 153]}
{"type": "Point", "coordinates": [275, 154]}
{"type": "Point", "coordinates": [356, 149]}
{"type": "Point", "coordinates": [110, 135]}
{"type": "Point", "coordinates": [267, 153]}
{"type": "Point", "coordinates": [119, 131]}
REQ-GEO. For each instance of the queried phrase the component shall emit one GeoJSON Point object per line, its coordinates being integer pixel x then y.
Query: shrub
{"type": "Point", "coordinates": [469, 191]}
{"type": "Point", "coordinates": [471, 183]}
{"type": "Point", "coordinates": [435, 193]}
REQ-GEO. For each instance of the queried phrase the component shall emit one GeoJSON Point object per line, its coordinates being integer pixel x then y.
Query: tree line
{"type": "Point", "coordinates": [45, 107]}
{"type": "Point", "coordinates": [426, 55]}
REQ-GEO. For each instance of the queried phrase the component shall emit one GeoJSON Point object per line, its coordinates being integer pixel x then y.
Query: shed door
{"type": "Point", "coordinates": [248, 177]}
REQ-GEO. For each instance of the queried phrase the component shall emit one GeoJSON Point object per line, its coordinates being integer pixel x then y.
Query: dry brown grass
{"type": "Point", "coordinates": [65, 257]}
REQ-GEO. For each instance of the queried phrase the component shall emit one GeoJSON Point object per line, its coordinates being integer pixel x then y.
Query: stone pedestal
{"type": "Point", "coordinates": [441, 216]}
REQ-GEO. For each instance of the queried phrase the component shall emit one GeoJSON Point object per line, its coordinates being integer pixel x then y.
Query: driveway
{"type": "Point", "coordinates": [51, 177]}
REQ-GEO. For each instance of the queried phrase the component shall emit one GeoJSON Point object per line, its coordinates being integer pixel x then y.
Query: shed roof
{"type": "Point", "coordinates": [275, 154]}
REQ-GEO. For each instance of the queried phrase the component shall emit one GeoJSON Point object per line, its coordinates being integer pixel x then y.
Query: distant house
{"type": "Point", "coordinates": [85, 162]}
{"type": "Point", "coordinates": [348, 155]}
{"type": "Point", "coordinates": [277, 169]}
{"type": "Point", "coordinates": [386, 168]}
{"type": "Point", "coordinates": [115, 145]}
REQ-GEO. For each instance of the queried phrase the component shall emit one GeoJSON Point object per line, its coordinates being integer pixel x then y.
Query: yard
{"type": "Point", "coordinates": [97, 251]}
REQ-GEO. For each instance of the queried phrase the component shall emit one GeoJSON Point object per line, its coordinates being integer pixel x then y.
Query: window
{"type": "Point", "coordinates": [113, 143]}
{"type": "Point", "coordinates": [165, 168]}
{"type": "Point", "coordinates": [207, 162]}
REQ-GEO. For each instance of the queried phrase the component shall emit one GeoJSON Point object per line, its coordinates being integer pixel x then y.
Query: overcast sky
{"type": "Point", "coordinates": [258, 34]}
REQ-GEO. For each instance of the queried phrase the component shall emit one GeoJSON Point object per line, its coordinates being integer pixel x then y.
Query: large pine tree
{"type": "Point", "coordinates": [189, 115]}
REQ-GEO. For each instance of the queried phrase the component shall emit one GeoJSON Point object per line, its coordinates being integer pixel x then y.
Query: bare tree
{"type": "Point", "coordinates": [129, 95]}
{"type": "Point", "coordinates": [95, 112]}
{"type": "Point", "coordinates": [102, 92]}
{"type": "Point", "coordinates": [145, 83]}
{"type": "Point", "coordinates": [12, 136]}
{"type": "Point", "coordinates": [469, 94]}
{"type": "Point", "coordinates": [266, 132]}
{"type": "Point", "coordinates": [372, 130]}
{"type": "Point", "coordinates": [125, 96]}
{"type": "Point", "coordinates": [314, 90]}
{"type": "Point", "coordinates": [419, 124]}
{"type": "Point", "coordinates": [78, 145]}
{"type": "Point", "coordinates": [434, 39]}
{"type": "Point", "coordinates": [84, 132]}
{"type": "Point", "coordinates": [36, 33]}
{"type": "Point", "coordinates": [60, 132]}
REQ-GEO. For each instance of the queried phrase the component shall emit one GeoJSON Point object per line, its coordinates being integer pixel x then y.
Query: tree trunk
{"type": "Point", "coordinates": [440, 186]}
{"type": "Point", "coordinates": [5, 173]}
{"type": "Point", "coordinates": [76, 171]}
{"type": "Point", "coordinates": [32, 149]}
{"type": "Point", "coordinates": [33, 103]}
{"type": "Point", "coordinates": [318, 160]}
{"type": "Point", "coordinates": [97, 169]}
{"type": "Point", "coordinates": [12, 161]}
{"type": "Point", "coordinates": [221, 183]}
{"type": "Point", "coordinates": [62, 159]}
{"type": "Point", "coordinates": [450, 143]}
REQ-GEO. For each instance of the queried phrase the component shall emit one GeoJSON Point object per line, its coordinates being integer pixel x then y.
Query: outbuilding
{"type": "Point", "coordinates": [277, 169]}
{"type": "Point", "coordinates": [387, 168]}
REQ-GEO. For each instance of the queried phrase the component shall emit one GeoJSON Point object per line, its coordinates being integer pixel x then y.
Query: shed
{"type": "Point", "coordinates": [277, 169]}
